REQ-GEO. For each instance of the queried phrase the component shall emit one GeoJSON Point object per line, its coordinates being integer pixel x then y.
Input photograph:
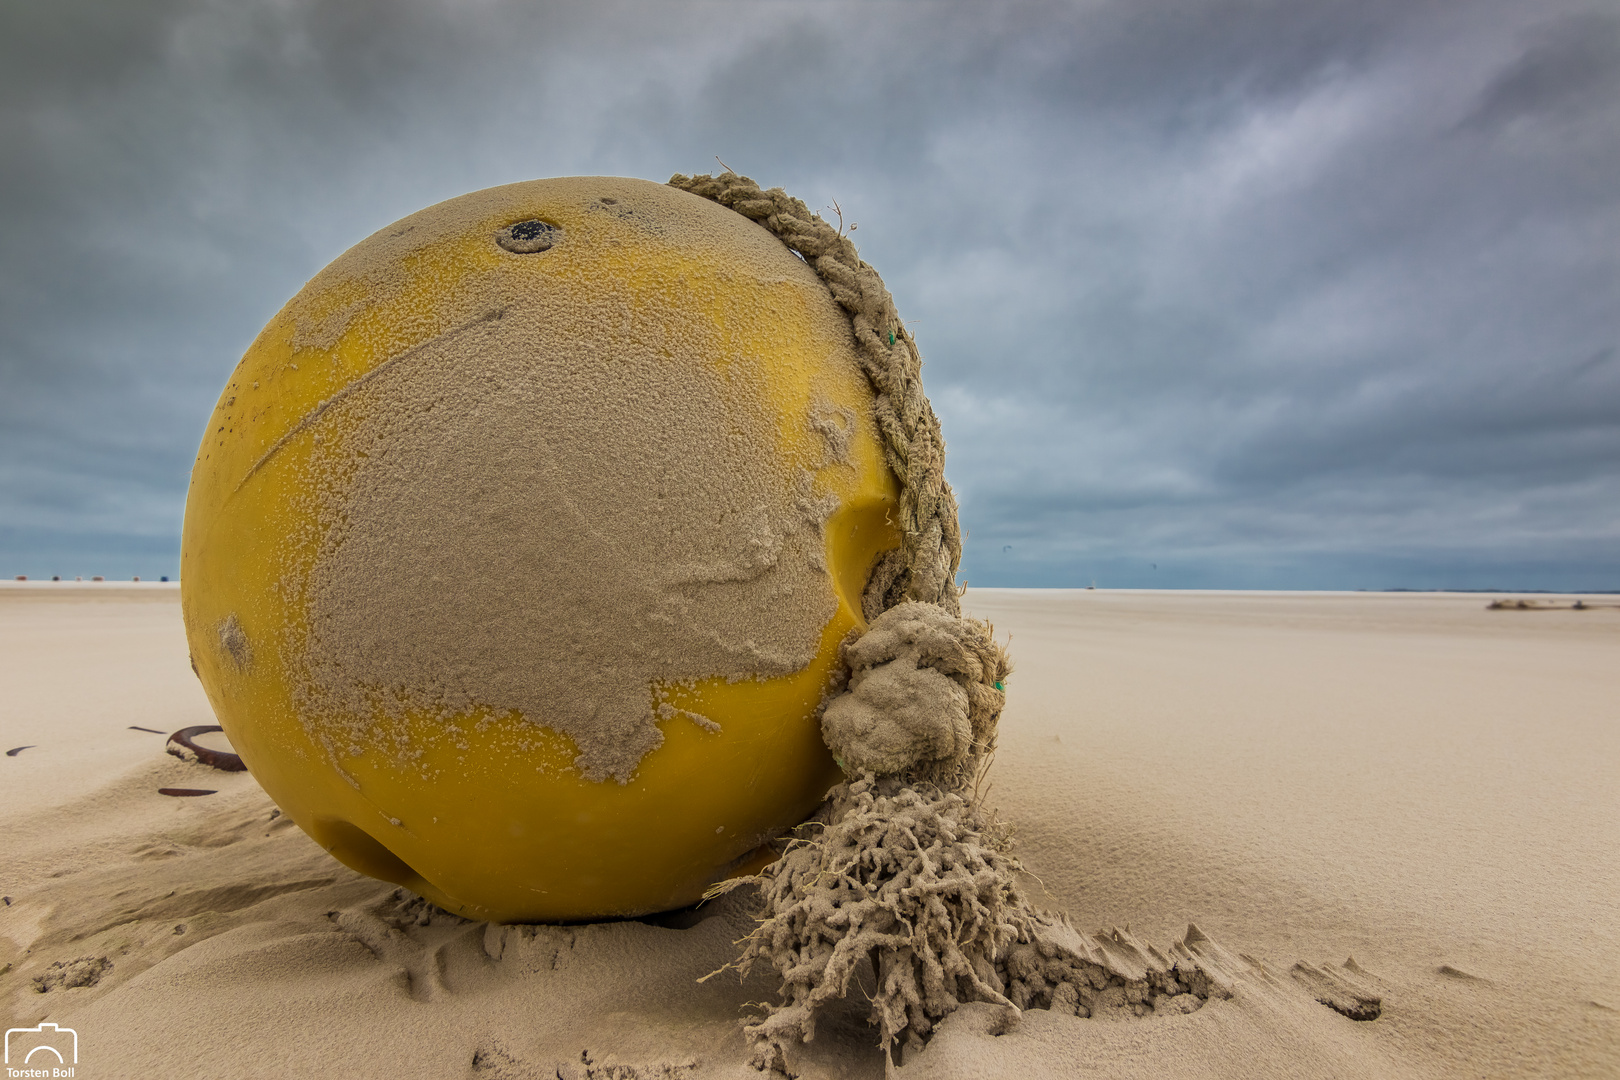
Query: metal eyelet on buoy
{"type": "Point", "coordinates": [528, 237]}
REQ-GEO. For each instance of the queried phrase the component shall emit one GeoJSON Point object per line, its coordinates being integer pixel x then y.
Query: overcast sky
{"type": "Point", "coordinates": [1218, 294]}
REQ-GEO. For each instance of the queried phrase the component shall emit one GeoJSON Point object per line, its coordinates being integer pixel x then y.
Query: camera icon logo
{"type": "Point", "coordinates": [46, 1044]}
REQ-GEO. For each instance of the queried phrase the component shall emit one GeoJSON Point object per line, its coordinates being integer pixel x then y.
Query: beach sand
{"type": "Point", "coordinates": [1410, 780]}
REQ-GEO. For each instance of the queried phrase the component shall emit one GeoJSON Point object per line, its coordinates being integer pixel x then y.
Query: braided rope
{"type": "Point", "coordinates": [903, 866]}
{"type": "Point", "coordinates": [917, 721]}
{"type": "Point", "coordinates": [924, 568]}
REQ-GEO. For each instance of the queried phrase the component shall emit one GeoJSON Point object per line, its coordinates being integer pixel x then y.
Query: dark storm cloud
{"type": "Point", "coordinates": [1571, 65]}
{"type": "Point", "coordinates": [1262, 293]}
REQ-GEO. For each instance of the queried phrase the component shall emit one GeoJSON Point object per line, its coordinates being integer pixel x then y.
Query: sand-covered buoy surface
{"type": "Point", "coordinates": [521, 543]}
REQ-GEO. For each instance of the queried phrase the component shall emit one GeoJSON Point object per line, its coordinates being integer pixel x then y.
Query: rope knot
{"type": "Point", "coordinates": [923, 696]}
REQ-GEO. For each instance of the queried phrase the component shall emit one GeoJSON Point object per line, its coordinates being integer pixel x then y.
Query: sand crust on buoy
{"type": "Point", "coordinates": [576, 493]}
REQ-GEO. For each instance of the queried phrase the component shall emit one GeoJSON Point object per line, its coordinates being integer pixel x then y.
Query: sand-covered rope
{"type": "Point", "coordinates": [925, 692]}
{"type": "Point", "coordinates": [925, 566]}
{"type": "Point", "coordinates": [919, 882]}
{"type": "Point", "coordinates": [903, 867]}
{"type": "Point", "coordinates": [926, 686]}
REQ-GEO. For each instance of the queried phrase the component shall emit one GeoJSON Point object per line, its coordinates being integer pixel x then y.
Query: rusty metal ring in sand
{"type": "Point", "coordinates": [180, 744]}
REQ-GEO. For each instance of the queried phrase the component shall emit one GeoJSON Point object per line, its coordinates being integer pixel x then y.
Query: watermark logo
{"type": "Point", "coordinates": [46, 1050]}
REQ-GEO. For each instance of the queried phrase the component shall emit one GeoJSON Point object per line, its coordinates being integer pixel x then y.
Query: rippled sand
{"type": "Point", "coordinates": [1407, 779]}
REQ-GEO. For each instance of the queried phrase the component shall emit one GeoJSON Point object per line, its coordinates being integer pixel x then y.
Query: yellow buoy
{"type": "Point", "coordinates": [521, 543]}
